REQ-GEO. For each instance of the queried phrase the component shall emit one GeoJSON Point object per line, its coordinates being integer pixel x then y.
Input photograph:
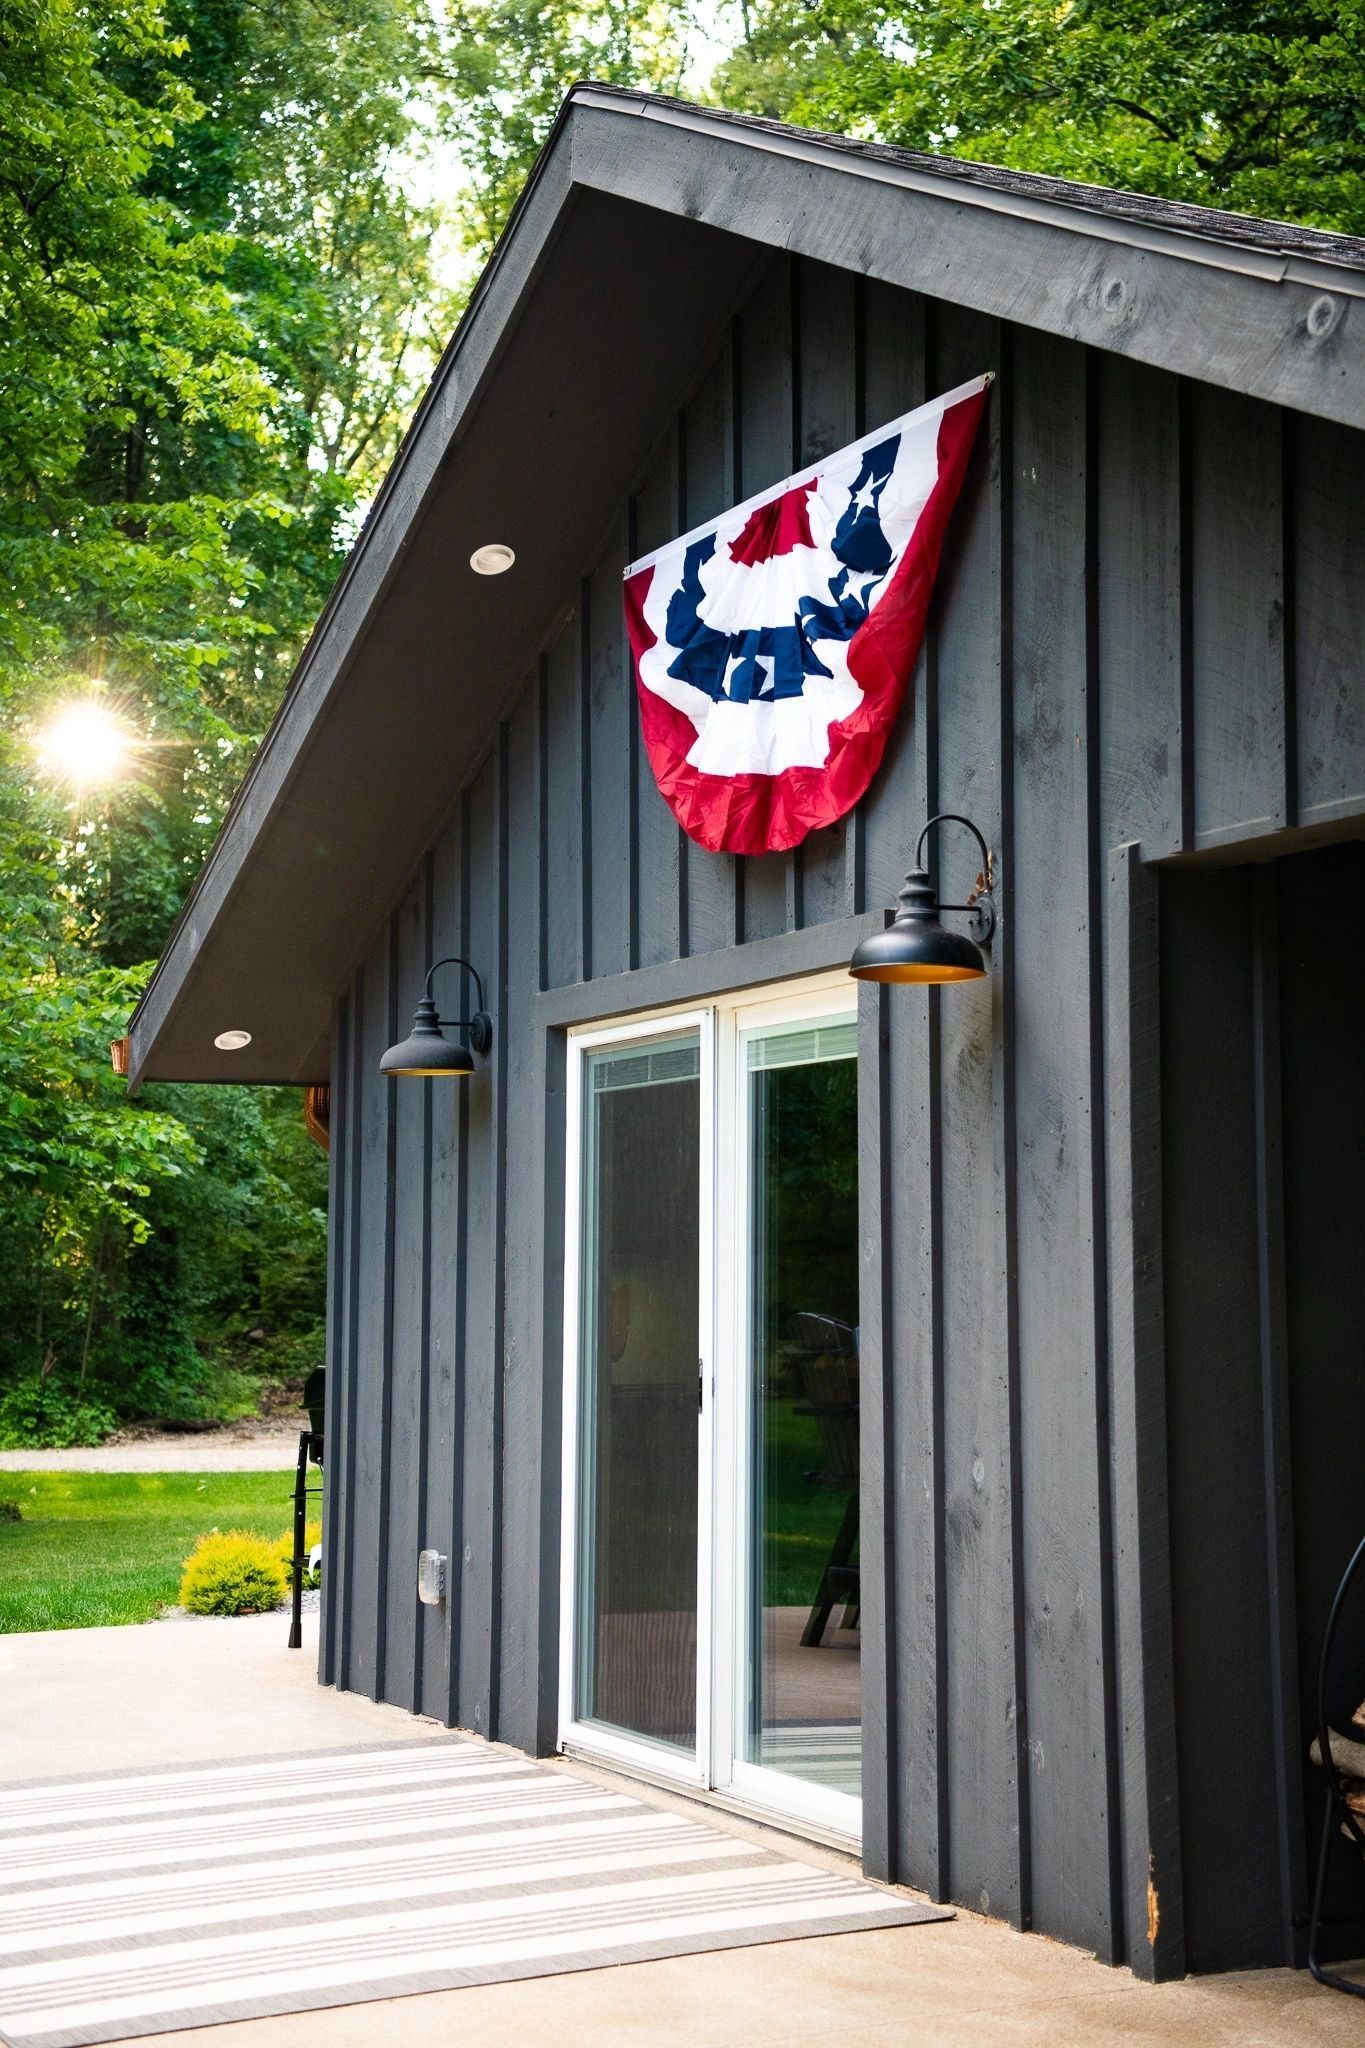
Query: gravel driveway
{"type": "Point", "coordinates": [215, 1450]}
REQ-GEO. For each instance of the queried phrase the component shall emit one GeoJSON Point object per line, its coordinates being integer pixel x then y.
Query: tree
{"type": "Point", "coordinates": [1255, 107]}
{"type": "Point", "coordinates": [499, 70]}
{"type": "Point", "coordinates": [215, 297]}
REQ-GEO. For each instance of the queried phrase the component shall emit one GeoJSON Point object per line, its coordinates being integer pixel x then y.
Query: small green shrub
{"type": "Point", "coordinates": [232, 1573]}
{"type": "Point", "coordinates": [284, 1550]}
{"type": "Point", "coordinates": [10, 1511]}
{"type": "Point", "coordinates": [43, 1413]}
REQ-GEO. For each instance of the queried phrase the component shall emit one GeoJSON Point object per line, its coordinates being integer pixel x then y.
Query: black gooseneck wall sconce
{"type": "Point", "coordinates": [915, 946]}
{"type": "Point", "coordinates": [428, 1053]}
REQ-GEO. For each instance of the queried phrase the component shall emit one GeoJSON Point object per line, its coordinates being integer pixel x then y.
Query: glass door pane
{"type": "Point", "coordinates": [801, 1707]}
{"type": "Point", "coordinates": [636, 1650]}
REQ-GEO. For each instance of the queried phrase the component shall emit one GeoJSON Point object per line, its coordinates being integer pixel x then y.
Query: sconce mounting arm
{"type": "Point", "coordinates": [987, 881]}
{"type": "Point", "coordinates": [480, 1025]}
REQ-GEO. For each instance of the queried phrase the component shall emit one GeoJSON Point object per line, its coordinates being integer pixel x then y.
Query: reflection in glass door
{"type": "Point", "coordinates": [635, 1667]}
{"type": "Point", "coordinates": [797, 1679]}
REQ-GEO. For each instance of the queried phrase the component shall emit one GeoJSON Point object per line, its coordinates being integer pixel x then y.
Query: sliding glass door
{"type": "Point", "coordinates": [711, 1568]}
{"type": "Point", "coordinates": [796, 1347]}
{"type": "Point", "coordinates": [632, 1676]}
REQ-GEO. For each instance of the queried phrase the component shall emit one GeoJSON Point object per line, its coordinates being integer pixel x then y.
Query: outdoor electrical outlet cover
{"type": "Point", "coordinates": [431, 1577]}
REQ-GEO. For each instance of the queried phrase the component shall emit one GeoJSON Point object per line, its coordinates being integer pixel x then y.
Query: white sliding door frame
{"type": "Point", "coordinates": [757, 1787]}
{"type": "Point", "coordinates": [725, 1623]}
{"type": "Point", "coordinates": [612, 1745]}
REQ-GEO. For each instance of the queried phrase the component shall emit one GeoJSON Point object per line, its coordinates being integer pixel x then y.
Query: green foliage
{"type": "Point", "coordinates": [97, 1548]}
{"type": "Point", "coordinates": [232, 1573]}
{"type": "Point", "coordinates": [216, 307]}
{"type": "Point", "coordinates": [504, 67]}
{"type": "Point", "coordinates": [43, 1413]}
{"type": "Point", "coordinates": [1260, 108]}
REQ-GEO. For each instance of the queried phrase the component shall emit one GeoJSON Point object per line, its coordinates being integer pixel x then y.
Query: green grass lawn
{"type": "Point", "coordinates": [95, 1548]}
{"type": "Point", "coordinates": [801, 1520]}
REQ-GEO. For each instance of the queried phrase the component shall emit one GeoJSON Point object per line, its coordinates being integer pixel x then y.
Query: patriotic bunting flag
{"type": "Point", "coordinates": [773, 647]}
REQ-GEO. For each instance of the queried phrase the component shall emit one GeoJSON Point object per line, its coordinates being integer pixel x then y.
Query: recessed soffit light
{"type": "Point", "coordinates": [492, 559]}
{"type": "Point", "coordinates": [232, 1041]}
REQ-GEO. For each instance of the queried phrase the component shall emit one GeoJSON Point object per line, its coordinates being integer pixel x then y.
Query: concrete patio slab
{"type": "Point", "coordinates": [123, 1698]}
{"type": "Point", "coordinates": [173, 1692]}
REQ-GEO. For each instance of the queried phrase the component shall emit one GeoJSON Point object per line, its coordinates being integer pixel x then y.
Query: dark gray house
{"type": "Point", "coordinates": [927, 1416]}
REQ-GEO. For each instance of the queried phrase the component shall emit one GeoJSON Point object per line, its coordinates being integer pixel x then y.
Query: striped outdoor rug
{"type": "Point", "coordinates": [148, 1901]}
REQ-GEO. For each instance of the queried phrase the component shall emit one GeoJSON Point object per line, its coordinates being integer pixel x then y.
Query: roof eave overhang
{"type": "Point", "coordinates": [1219, 298]}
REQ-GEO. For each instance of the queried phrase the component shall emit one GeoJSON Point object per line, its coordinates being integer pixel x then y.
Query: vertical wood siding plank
{"type": "Point", "coordinates": [1139, 597]}
{"type": "Point", "coordinates": [1097, 1191]}
{"type": "Point", "coordinates": [482, 1413]}
{"type": "Point", "coordinates": [334, 1417]}
{"type": "Point", "coordinates": [1185, 398]}
{"type": "Point", "coordinates": [764, 438]}
{"type": "Point", "coordinates": [445, 1428]}
{"type": "Point", "coordinates": [458, 1711]}
{"type": "Point", "coordinates": [544, 1305]}
{"type": "Point", "coordinates": [1153, 1903]}
{"type": "Point", "coordinates": [913, 1249]}
{"type": "Point", "coordinates": [345, 1458]}
{"type": "Point", "coordinates": [704, 493]}
{"type": "Point", "coordinates": [408, 1106]}
{"type": "Point", "coordinates": [561, 882]}
{"type": "Point", "coordinates": [909, 1169]}
{"type": "Point", "coordinates": [370, 1361]}
{"type": "Point", "coordinates": [1238, 617]}
{"type": "Point", "coordinates": [1005, 1082]}
{"type": "Point", "coordinates": [1289, 641]}
{"type": "Point", "coordinates": [549, 1107]}
{"type": "Point", "coordinates": [1060, 1394]}
{"type": "Point", "coordinates": [826, 419]}
{"type": "Point", "coordinates": [585, 781]}
{"type": "Point", "coordinates": [430, 1633]}
{"type": "Point", "coordinates": [983, 1703]}
{"type": "Point", "coordinates": [523, 1448]}
{"type": "Point", "coordinates": [386, 1443]}
{"type": "Point", "coordinates": [1329, 620]}
{"type": "Point", "coordinates": [500, 1066]}
{"type": "Point", "coordinates": [896, 378]}
{"type": "Point", "coordinates": [611, 693]}
{"type": "Point", "coordinates": [658, 852]}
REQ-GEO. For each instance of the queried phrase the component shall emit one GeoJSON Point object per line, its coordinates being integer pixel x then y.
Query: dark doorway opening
{"type": "Point", "coordinates": [1263, 1135]}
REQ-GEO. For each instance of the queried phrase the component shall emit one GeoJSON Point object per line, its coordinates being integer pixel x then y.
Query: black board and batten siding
{"type": "Point", "coordinates": [1146, 635]}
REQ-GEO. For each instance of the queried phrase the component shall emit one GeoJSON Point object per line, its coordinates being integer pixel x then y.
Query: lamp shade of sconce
{"type": "Point", "coordinates": [917, 946]}
{"type": "Point", "coordinates": [426, 1053]}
